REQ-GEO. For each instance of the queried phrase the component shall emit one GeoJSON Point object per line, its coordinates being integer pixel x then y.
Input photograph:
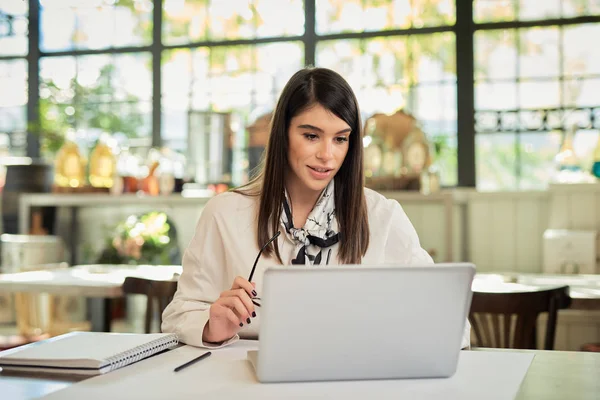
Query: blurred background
{"type": "Point", "coordinates": [120, 118]}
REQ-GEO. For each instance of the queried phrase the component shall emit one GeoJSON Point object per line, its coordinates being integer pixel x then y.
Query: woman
{"type": "Point", "coordinates": [310, 189]}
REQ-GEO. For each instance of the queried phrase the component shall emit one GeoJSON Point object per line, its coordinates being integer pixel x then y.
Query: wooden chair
{"type": "Point", "coordinates": [159, 292]}
{"type": "Point", "coordinates": [508, 320]}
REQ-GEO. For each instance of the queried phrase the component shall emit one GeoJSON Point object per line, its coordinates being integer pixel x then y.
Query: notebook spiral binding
{"type": "Point", "coordinates": [140, 352]}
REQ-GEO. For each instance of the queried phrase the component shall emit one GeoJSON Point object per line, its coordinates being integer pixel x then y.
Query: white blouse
{"type": "Point", "coordinates": [224, 246]}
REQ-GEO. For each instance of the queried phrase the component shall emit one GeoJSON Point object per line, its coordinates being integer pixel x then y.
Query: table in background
{"type": "Point", "coordinates": [102, 281]}
{"type": "Point", "coordinates": [584, 290]}
{"type": "Point", "coordinates": [105, 282]}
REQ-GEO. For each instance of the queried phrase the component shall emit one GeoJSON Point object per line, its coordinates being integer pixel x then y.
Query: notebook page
{"type": "Point", "coordinates": [79, 349]}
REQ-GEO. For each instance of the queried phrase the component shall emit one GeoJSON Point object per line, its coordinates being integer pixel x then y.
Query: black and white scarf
{"type": "Point", "coordinates": [319, 231]}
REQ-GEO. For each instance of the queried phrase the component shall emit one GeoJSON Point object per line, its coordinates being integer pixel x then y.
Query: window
{"type": "Point", "coordinates": [94, 94]}
{"type": "Point", "coordinates": [13, 106]}
{"type": "Point", "coordinates": [94, 24]}
{"type": "Point", "coordinates": [212, 91]}
{"type": "Point", "coordinates": [13, 28]}
{"type": "Point", "coordinates": [214, 20]}
{"type": "Point", "coordinates": [531, 85]}
{"type": "Point", "coordinates": [242, 80]}
{"type": "Point", "coordinates": [415, 73]}
{"type": "Point", "coordinates": [87, 88]}
{"type": "Point", "coordinates": [224, 63]}
{"type": "Point", "coordinates": [13, 77]}
{"type": "Point", "coordinates": [336, 16]}
{"type": "Point", "coordinates": [523, 10]}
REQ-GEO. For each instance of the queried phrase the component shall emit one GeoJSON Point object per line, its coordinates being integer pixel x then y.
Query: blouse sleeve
{"type": "Point", "coordinates": [200, 284]}
{"type": "Point", "coordinates": [403, 246]}
{"type": "Point", "coordinates": [402, 242]}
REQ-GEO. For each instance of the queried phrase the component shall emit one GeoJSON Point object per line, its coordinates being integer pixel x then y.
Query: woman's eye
{"type": "Point", "coordinates": [311, 136]}
{"type": "Point", "coordinates": [341, 139]}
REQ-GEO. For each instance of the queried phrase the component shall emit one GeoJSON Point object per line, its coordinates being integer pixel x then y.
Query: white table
{"type": "Point", "coordinates": [551, 375]}
{"type": "Point", "coordinates": [103, 282]}
{"type": "Point", "coordinates": [584, 290]}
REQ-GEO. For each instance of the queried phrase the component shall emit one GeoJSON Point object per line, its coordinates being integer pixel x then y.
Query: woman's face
{"type": "Point", "coordinates": [318, 144]}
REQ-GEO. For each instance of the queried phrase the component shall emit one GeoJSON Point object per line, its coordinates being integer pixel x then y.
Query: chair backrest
{"type": "Point", "coordinates": [159, 292]}
{"type": "Point", "coordinates": [508, 320]}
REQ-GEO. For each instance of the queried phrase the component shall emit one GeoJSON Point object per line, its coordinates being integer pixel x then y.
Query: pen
{"type": "Point", "coordinates": [195, 360]}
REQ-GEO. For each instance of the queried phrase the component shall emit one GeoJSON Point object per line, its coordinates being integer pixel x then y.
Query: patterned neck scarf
{"type": "Point", "coordinates": [319, 231]}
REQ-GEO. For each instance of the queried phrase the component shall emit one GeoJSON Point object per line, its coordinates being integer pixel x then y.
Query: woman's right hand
{"type": "Point", "coordinates": [230, 312]}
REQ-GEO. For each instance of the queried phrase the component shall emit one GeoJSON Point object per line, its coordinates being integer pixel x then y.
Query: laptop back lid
{"type": "Point", "coordinates": [362, 322]}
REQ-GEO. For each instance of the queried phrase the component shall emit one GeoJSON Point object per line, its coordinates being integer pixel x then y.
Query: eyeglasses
{"type": "Point", "coordinates": [254, 301]}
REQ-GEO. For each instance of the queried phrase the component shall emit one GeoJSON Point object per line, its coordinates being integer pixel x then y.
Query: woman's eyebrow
{"type": "Point", "coordinates": [316, 128]}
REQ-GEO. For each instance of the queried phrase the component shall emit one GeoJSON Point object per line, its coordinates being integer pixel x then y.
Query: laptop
{"type": "Point", "coordinates": [362, 322]}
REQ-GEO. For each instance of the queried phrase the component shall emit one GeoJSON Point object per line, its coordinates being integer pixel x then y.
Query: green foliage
{"type": "Point", "coordinates": [90, 107]}
{"type": "Point", "coordinates": [149, 238]}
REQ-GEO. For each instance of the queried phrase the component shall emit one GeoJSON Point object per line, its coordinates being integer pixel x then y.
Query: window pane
{"type": "Point", "coordinates": [507, 10]}
{"type": "Point", "coordinates": [233, 19]}
{"type": "Point", "coordinates": [416, 74]}
{"type": "Point", "coordinates": [495, 96]}
{"type": "Point", "coordinates": [386, 62]}
{"type": "Point", "coordinates": [345, 57]}
{"type": "Point", "coordinates": [391, 61]}
{"type": "Point", "coordinates": [269, 17]}
{"type": "Point", "coordinates": [184, 21]}
{"type": "Point", "coordinates": [537, 151]}
{"type": "Point", "coordinates": [93, 94]}
{"type": "Point", "coordinates": [538, 52]}
{"type": "Point", "coordinates": [579, 57]}
{"type": "Point", "coordinates": [197, 20]}
{"type": "Point", "coordinates": [94, 24]}
{"type": "Point", "coordinates": [238, 79]}
{"type": "Point", "coordinates": [545, 94]}
{"type": "Point", "coordinates": [446, 159]}
{"type": "Point", "coordinates": [430, 12]}
{"type": "Point", "coordinates": [495, 54]}
{"type": "Point", "coordinates": [433, 57]}
{"type": "Point", "coordinates": [574, 8]}
{"type": "Point", "coordinates": [536, 9]}
{"type": "Point", "coordinates": [584, 143]}
{"type": "Point", "coordinates": [335, 16]}
{"type": "Point", "coordinates": [435, 107]}
{"type": "Point", "coordinates": [581, 92]}
{"type": "Point", "coordinates": [272, 72]}
{"type": "Point", "coordinates": [13, 106]}
{"type": "Point", "coordinates": [495, 162]}
{"type": "Point", "coordinates": [493, 10]}
{"type": "Point", "coordinates": [13, 32]}
{"type": "Point", "coordinates": [382, 99]}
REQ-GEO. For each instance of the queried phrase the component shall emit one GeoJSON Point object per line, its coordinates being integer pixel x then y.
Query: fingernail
{"type": "Point", "coordinates": [248, 320]}
{"type": "Point", "coordinates": [254, 293]}
{"type": "Point", "coordinates": [253, 314]}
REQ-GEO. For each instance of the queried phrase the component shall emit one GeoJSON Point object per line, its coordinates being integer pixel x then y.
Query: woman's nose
{"type": "Point", "coordinates": [325, 151]}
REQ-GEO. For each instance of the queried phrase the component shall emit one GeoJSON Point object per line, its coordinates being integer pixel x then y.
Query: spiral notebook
{"type": "Point", "coordinates": [86, 353]}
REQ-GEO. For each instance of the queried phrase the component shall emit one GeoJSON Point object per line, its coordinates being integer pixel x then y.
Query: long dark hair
{"type": "Point", "coordinates": [306, 88]}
